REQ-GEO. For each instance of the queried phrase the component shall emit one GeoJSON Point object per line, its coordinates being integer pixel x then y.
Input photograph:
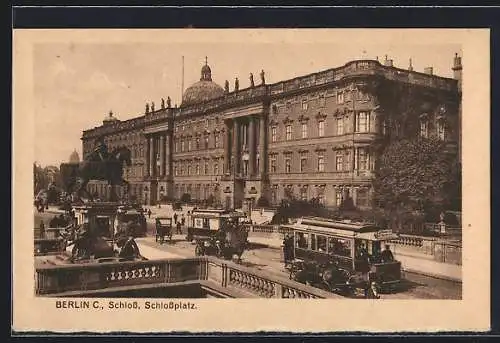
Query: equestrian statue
{"type": "Point", "coordinates": [98, 165]}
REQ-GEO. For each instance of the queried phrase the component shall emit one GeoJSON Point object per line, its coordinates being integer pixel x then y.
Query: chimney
{"type": "Point", "coordinates": [428, 70]}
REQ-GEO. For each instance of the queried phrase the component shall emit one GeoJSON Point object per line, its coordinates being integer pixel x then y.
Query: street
{"type": "Point", "coordinates": [414, 286]}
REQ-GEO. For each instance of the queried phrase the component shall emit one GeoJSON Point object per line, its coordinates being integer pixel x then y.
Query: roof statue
{"type": "Point", "coordinates": [262, 77]}
{"type": "Point", "coordinates": [252, 84]}
{"type": "Point", "coordinates": [226, 86]}
{"type": "Point", "coordinates": [236, 84]}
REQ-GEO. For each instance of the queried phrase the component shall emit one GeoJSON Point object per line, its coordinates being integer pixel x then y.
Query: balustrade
{"type": "Point", "coordinates": [58, 280]}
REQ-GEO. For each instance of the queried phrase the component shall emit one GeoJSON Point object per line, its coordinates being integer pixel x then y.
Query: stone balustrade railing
{"type": "Point", "coordinates": [58, 280]}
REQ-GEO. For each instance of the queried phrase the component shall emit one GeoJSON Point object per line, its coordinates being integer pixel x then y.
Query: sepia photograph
{"type": "Point", "coordinates": [325, 166]}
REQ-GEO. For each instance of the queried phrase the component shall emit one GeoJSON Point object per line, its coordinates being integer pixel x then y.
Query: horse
{"type": "Point", "coordinates": [86, 244]}
{"type": "Point", "coordinates": [77, 176]}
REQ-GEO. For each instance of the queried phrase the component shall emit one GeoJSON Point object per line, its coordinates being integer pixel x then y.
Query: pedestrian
{"type": "Point", "coordinates": [175, 218]}
{"type": "Point", "coordinates": [386, 255]}
{"type": "Point", "coordinates": [149, 213]}
{"type": "Point", "coordinates": [179, 229]}
{"type": "Point", "coordinates": [183, 220]}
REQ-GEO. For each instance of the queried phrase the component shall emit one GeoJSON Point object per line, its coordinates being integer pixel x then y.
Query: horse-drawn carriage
{"type": "Point", "coordinates": [218, 233]}
{"type": "Point", "coordinates": [163, 228]}
{"type": "Point", "coordinates": [342, 257]}
{"type": "Point", "coordinates": [135, 219]}
{"type": "Point", "coordinates": [97, 236]}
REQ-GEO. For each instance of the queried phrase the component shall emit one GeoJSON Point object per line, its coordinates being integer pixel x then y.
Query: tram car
{"type": "Point", "coordinates": [342, 256]}
{"type": "Point", "coordinates": [163, 228]}
{"type": "Point", "coordinates": [134, 218]}
{"type": "Point", "coordinates": [218, 233]}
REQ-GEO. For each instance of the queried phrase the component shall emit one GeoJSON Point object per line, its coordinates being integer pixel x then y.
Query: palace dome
{"type": "Point", "coordinates": [109, 118]}
{"type": "Point", "coordinates": [74, 157]}
{"type": "Point", "coordinates": [203, 90]}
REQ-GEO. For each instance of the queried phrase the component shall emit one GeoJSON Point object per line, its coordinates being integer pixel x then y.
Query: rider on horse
{"type": "Point", "coordinates": [101, 149]}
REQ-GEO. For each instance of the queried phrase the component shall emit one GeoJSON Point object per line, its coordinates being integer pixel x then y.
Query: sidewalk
{"type": "Point", "coordinates": [411, 264]}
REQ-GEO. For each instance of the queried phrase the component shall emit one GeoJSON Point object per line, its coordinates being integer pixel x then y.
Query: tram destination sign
{"type": "Point", "coordinates": [384, 234]}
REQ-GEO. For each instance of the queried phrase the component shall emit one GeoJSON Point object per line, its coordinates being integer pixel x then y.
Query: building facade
{"type": "Point", "coordinates": [314, 136]}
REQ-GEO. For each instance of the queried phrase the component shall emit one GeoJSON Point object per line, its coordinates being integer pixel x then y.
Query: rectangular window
{"type": "Point", "coordinates": [274, 196]}
{"type": "Point", "coordinates": [288, 165]}
{"type": "Point", "coordinates": [303, 194]}
{"type": "Point", "coordinates": [303, 162]}
{"type": "Point", "coordinates": [340, 97]}
{"type": "Point", "coordinates": [321, 198]}
{"type": "Point", "coordinates": [189, 145]}
{"type": "Point", "coordinates": [321, 101]}
{"type": "Point", "coordinates": [362, 197]}
{"type": "Point", "coordinates": [321, 163]}
{"type": "Point", "coordinates": [189, 170]}
{"type": "Point", "coordinates": [274, 134]}
{"type": "Point", "coordinates": [362, 124]}
{"type": "Point", "coordinates": [273, 165]}
{"type": "Point", "coordinates": [216, 168]}
{"type": "Point", "coordinates": [338, 197]}
{"type": "Point", "coordinates": [216, 141]}
{"type": "Point", "coordinates": [321, 128]}
{"type": "Point", "coordinates": [182, 146]}
{"type": "Point", "coordinates": [289, 132]}
{"type": "Point", "coordinates": [197, 169]}
{"type": "Point", "coordinates": [362, 159]}
{"type": "Point", "coordinates": [339, 162]}
{"type": "Point", "coordinates": [304, 104]}
{"type": "Point", "coordinates": [197, 143]}
{"type": "Point", "coordinates": [338, 246]}
{"type": "Point", "coordinates": [340, 126]}
{"type": "Point", "coordinates": [206, 142]}
{"type": "Point", "coordinates": [205, 171]}
{"type": "Point", "coordinates": [441, 130]}
{"type": "Point", "coordinates": [175, 171]}
{"type": "Point", "coordinates": [304, 130]}
{"type": "Point", "coordinates": [423, 129]}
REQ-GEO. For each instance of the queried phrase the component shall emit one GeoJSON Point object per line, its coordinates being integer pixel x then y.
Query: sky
{"type": "Point", "coordinates": [77, 82]}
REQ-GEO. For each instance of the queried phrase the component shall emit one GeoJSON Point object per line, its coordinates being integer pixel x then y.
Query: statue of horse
{"type": "Point", "coordinates": [77, 176]}
{"type": "Point", "coordinates": [87, 245]}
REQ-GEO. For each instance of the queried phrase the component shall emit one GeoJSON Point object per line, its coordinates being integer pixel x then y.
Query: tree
{"type": "Point", "coordinates": [413, 174]}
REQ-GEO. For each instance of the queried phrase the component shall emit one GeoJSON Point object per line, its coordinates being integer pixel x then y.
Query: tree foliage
{"type": "Point", "coordinates": [413, 174]}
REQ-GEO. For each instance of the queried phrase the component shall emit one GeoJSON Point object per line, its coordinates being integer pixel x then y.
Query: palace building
{"type": "Point", "coordinates": [314, 136]}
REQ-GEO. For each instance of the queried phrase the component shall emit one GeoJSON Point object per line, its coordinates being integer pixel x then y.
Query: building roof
{"type": "Point", "coordinates": [203, 90]}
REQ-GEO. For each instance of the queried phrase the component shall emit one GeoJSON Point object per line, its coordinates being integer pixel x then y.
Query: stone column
{"type": "Point", "coordinates": [148, 149]}
{"type": "Point", "coordinates": [227, 148]}
{"type": "Point", "coordinates": [151, 157]}
{"type": "Point", "coordinates": [252, 146]}
{"type": "Point", "coordinates": [262, 145]}
{"type": "Point", "coordinates": [236, 147]}
{"type": "Point", "coordinates": [162, 155]}
{"type": "Point", "coordinates": [167, 154]}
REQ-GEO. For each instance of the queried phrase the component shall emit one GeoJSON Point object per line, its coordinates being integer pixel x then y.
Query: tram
{"type": "Point", "coordinates": [337, 255]}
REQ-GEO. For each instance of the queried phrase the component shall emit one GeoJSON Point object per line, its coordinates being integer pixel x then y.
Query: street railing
{"type": "Point", "coordinates": [57, 280]}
